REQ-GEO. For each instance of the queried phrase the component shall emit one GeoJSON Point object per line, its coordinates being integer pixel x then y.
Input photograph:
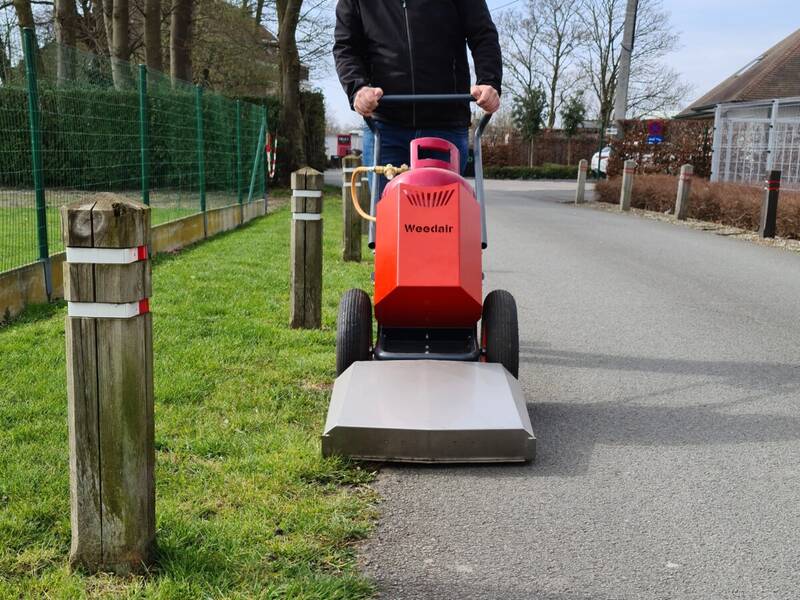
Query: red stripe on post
{"type": "Point", "coordinates": [144, 306]}
{"type": "Point", "coordinates": [141, 253]}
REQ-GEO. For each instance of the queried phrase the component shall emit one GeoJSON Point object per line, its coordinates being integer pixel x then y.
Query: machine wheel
{"type": "Point", "coordinates": [499, 330]}
{"type": "Point", "coordinates": [353, 329]}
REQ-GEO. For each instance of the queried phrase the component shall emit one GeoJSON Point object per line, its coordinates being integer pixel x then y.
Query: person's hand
{"type": "Point", "coordinates": [367, 100]}
{"type": "Point", "coordinates": [486, 97]}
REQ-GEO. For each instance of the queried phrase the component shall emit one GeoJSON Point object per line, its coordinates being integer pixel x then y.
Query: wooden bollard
{"type": "Point", "coordinates": [580, 194]}
{"type": "Point", "coordinates": [684, 192]}
{"type": "Point", "coordinates": [769, 208]}
{"type": "Point", "coordinates": [365, 203]}
{"type": "Point", "coordinates": [351, 222]}
{"type": "Point", "coordinates": [306, 309]}
{"type": "Point", "coordinates": [627, 185]}
{"type": "Point", "coordinates": [109, 339]}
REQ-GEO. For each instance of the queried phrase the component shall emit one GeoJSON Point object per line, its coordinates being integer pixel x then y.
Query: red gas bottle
{"type": "Point", "coordinates": [428, 245]}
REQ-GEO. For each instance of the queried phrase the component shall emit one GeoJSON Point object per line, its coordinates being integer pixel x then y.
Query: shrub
{"type": "Point", "coordinates": [723, 203]}
{"type": "Point", "coordinates": [685, 142]}
{"type": "Point", "coordinates": [546, 171]}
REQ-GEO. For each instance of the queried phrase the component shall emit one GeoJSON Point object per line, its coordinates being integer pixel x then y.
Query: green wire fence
{"type": "Point", "coordinates": [67, 130]}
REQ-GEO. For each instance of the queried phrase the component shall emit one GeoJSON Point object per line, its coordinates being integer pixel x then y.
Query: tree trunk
{"type": "Point", "coordinates": [108, 9]}
{"type": "Point", "coordinates": [5, 64]}
{"type": "Point", "coordinates": [530, 152]}
{"type": "Point", "coordinates": [66, 18]}
{"type": "Point", "coordinates": [24, 13]}
{"type": "Point", "coordinates": [259, 13]}
{"type": "Point", "coordinates": [291, 122]}
{"type": "Point", "coordinates": [120, 45]}
{"type": "Point", "coordinates": [569, 150]}
{"type": "Point", "coordinates": [180, 33]}
{"type": "Point", "coordinates": [152, 35]}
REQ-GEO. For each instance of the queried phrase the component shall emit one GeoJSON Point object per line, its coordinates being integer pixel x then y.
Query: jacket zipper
{"type": "Point", "coordinates": [411, 61]}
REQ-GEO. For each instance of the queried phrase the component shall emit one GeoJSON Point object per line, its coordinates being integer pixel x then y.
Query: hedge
{"type": "Point", "coordinates": [724, 203]}
{"type": "Point", "coordinates": [546, 171]}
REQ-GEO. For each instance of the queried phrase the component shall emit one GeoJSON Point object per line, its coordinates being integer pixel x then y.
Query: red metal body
{"type": "Point", "coordinates": [428, 245]}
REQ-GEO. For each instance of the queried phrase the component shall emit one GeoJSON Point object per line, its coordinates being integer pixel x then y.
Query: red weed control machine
{"type": "Point", "coordinates": [427, 387]}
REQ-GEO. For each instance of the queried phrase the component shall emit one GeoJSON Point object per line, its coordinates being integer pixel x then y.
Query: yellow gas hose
{"type": "Point", "coordinates": [389, 171]}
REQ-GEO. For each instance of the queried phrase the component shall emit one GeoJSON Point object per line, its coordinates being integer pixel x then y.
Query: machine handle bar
{"type": "Point", "coordinates": [478, 154]}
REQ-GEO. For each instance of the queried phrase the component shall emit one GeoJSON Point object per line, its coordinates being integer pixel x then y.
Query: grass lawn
{"type": "Point", "coordinates": [18, 240]}
{"type": "Point", "coordinates": [246, 507]}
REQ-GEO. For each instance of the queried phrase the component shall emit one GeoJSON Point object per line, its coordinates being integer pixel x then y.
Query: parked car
{"type": "Point", "coordinates": [606, 153]}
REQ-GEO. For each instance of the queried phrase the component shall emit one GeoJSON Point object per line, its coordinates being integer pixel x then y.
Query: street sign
{"type": "Point", "coordinates": [655, 130]}
{"type": "Point", "coordinates": [612, 132]}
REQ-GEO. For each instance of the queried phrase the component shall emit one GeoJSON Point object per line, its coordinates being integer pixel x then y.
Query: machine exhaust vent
{"type": "Point", "coordinates": [429, 199]}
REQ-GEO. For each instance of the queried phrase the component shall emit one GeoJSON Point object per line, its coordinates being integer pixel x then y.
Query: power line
{"type": "Point", "coordinates": [506, 5]}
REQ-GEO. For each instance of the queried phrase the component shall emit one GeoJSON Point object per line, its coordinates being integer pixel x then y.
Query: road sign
{"type": "Point", "coordinates": [655, 130]}
{"type": "Point", "coordinates": [612, 132]}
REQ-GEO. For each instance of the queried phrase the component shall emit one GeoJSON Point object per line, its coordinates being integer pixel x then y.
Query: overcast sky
{"type": "Point", "coordinates": [718, 37]}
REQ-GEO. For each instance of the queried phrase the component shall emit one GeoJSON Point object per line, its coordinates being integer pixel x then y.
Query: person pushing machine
{"type": "Point", "coordinates": [391, 47]}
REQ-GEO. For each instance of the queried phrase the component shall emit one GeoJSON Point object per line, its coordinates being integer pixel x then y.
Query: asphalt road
{"type": "Point", "coordinates": [662, 368]}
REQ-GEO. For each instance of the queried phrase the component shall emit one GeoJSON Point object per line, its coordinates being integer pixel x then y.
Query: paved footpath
{"type": "Point", "coordinates": [662, 368]}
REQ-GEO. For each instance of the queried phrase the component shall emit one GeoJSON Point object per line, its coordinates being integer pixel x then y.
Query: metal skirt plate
{"type": "Point", "coordinates": [428, 411]}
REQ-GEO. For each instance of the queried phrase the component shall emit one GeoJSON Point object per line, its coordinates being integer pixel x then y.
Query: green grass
{"type": "Point", "coordinates": [18, 236]}
{"type": "Point", "coordinates": [246, 506]}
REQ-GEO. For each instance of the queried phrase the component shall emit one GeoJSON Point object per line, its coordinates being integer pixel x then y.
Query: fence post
{"type": "Point", "coordinates": [365, 203]}
{"type": "Point", "coordinates": [144, 141]}
{"type": "Point", "coordinates": [769, 208]}
{"type": "Point", "coordinates": [627, 185]}
{"type": "Point", "coordinates": [201, 157]}
{"type": "Point", "coordinates": [351, 230]}
{"type": "Point", "coordinates": [239, 181]}
{"type": "Point", "coordinates": [580, 195]}
{"type": "Point", "coordinates": [34, 119]}
{"type": "Point", "coordinates": [264, 172]}
{"type": "Point", "coordinates": [306, 250]}
{"type": "Point", "coordinates": [684, 192]}
{"type": "Point", "coordinates": [109, 346]}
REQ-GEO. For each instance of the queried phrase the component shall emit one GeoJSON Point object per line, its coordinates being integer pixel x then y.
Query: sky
{"type": "Point", "coordinates": [718, 37]}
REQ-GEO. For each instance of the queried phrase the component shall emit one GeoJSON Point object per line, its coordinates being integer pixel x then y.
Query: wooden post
{"type": "Point", "coordinates": [627, 185]}
{"type": "Point", "coordinates": [365, 203]}
{"type": "Point", "coordinates": [769, 209]}
{"type": "Point", "coordinates": [351, 222]}
{"type": "Point", "coordinates": [580, 195]}
{"type": "Point", "coordinates": [306, 310]}
{"type": "Point", "coordinates": [684, 192]}
{"type": "Point", "coordinates": [109, 343]}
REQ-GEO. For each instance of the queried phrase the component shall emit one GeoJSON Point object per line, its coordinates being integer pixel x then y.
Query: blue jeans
{"type": "Point", "coordinates": [396, 144]}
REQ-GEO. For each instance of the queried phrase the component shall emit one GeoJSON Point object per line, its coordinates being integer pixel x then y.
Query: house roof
{"type": "Point", "coordinates": [774, 74]}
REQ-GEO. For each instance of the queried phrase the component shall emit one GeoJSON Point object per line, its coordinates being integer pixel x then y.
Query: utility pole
{"type": "Point", "coordinates": [628, 37]}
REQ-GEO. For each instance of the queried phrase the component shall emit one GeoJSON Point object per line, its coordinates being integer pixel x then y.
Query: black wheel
{"type": "Point", "coordinates": [353, 329]}
{"type": "Point", "coordinates": [499, 330]}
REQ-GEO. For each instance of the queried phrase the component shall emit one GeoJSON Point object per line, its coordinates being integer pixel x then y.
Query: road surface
{"type": "Point", "coordinates": [662, 368]}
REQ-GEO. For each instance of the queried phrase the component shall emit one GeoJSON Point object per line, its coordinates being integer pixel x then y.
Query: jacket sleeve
{"type": "Point", "coordinates": [349, 48]}
{"type": "Point", "coordinates": [483, 42]}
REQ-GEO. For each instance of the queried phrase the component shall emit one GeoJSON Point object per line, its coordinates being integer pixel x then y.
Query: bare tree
{"type": "Point", "coordinates": [560, 37]}
{"type": "Point", "coordinates": [520, 39]}
{"type": "Point", "coordinates": [66, 22]}
{"type": "Point", "coordinates": [654, 87]}
{"type": "Point", "coordinates": [291, 122]}
{"type": "Point", "coordinates": [152, 35]}
{"type": "Point", "coordinates": [180, 54]}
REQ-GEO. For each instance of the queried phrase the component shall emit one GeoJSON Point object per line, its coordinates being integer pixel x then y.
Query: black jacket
{"type": "Point", "coordinates": [416, 47]}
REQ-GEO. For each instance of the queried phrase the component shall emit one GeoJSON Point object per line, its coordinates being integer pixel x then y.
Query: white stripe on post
{"type": "Point", "coordinates": [107, 310]}
{"type": "Point", "coordinates": [307, 193]}
{"type": "Point", "coordinates": [106, 256]}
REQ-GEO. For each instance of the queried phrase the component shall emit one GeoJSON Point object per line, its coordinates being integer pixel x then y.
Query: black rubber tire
{"type": "Point", "coordinates": [353, 329]}
{"type": "Point", "coordinates": [500, 331]}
